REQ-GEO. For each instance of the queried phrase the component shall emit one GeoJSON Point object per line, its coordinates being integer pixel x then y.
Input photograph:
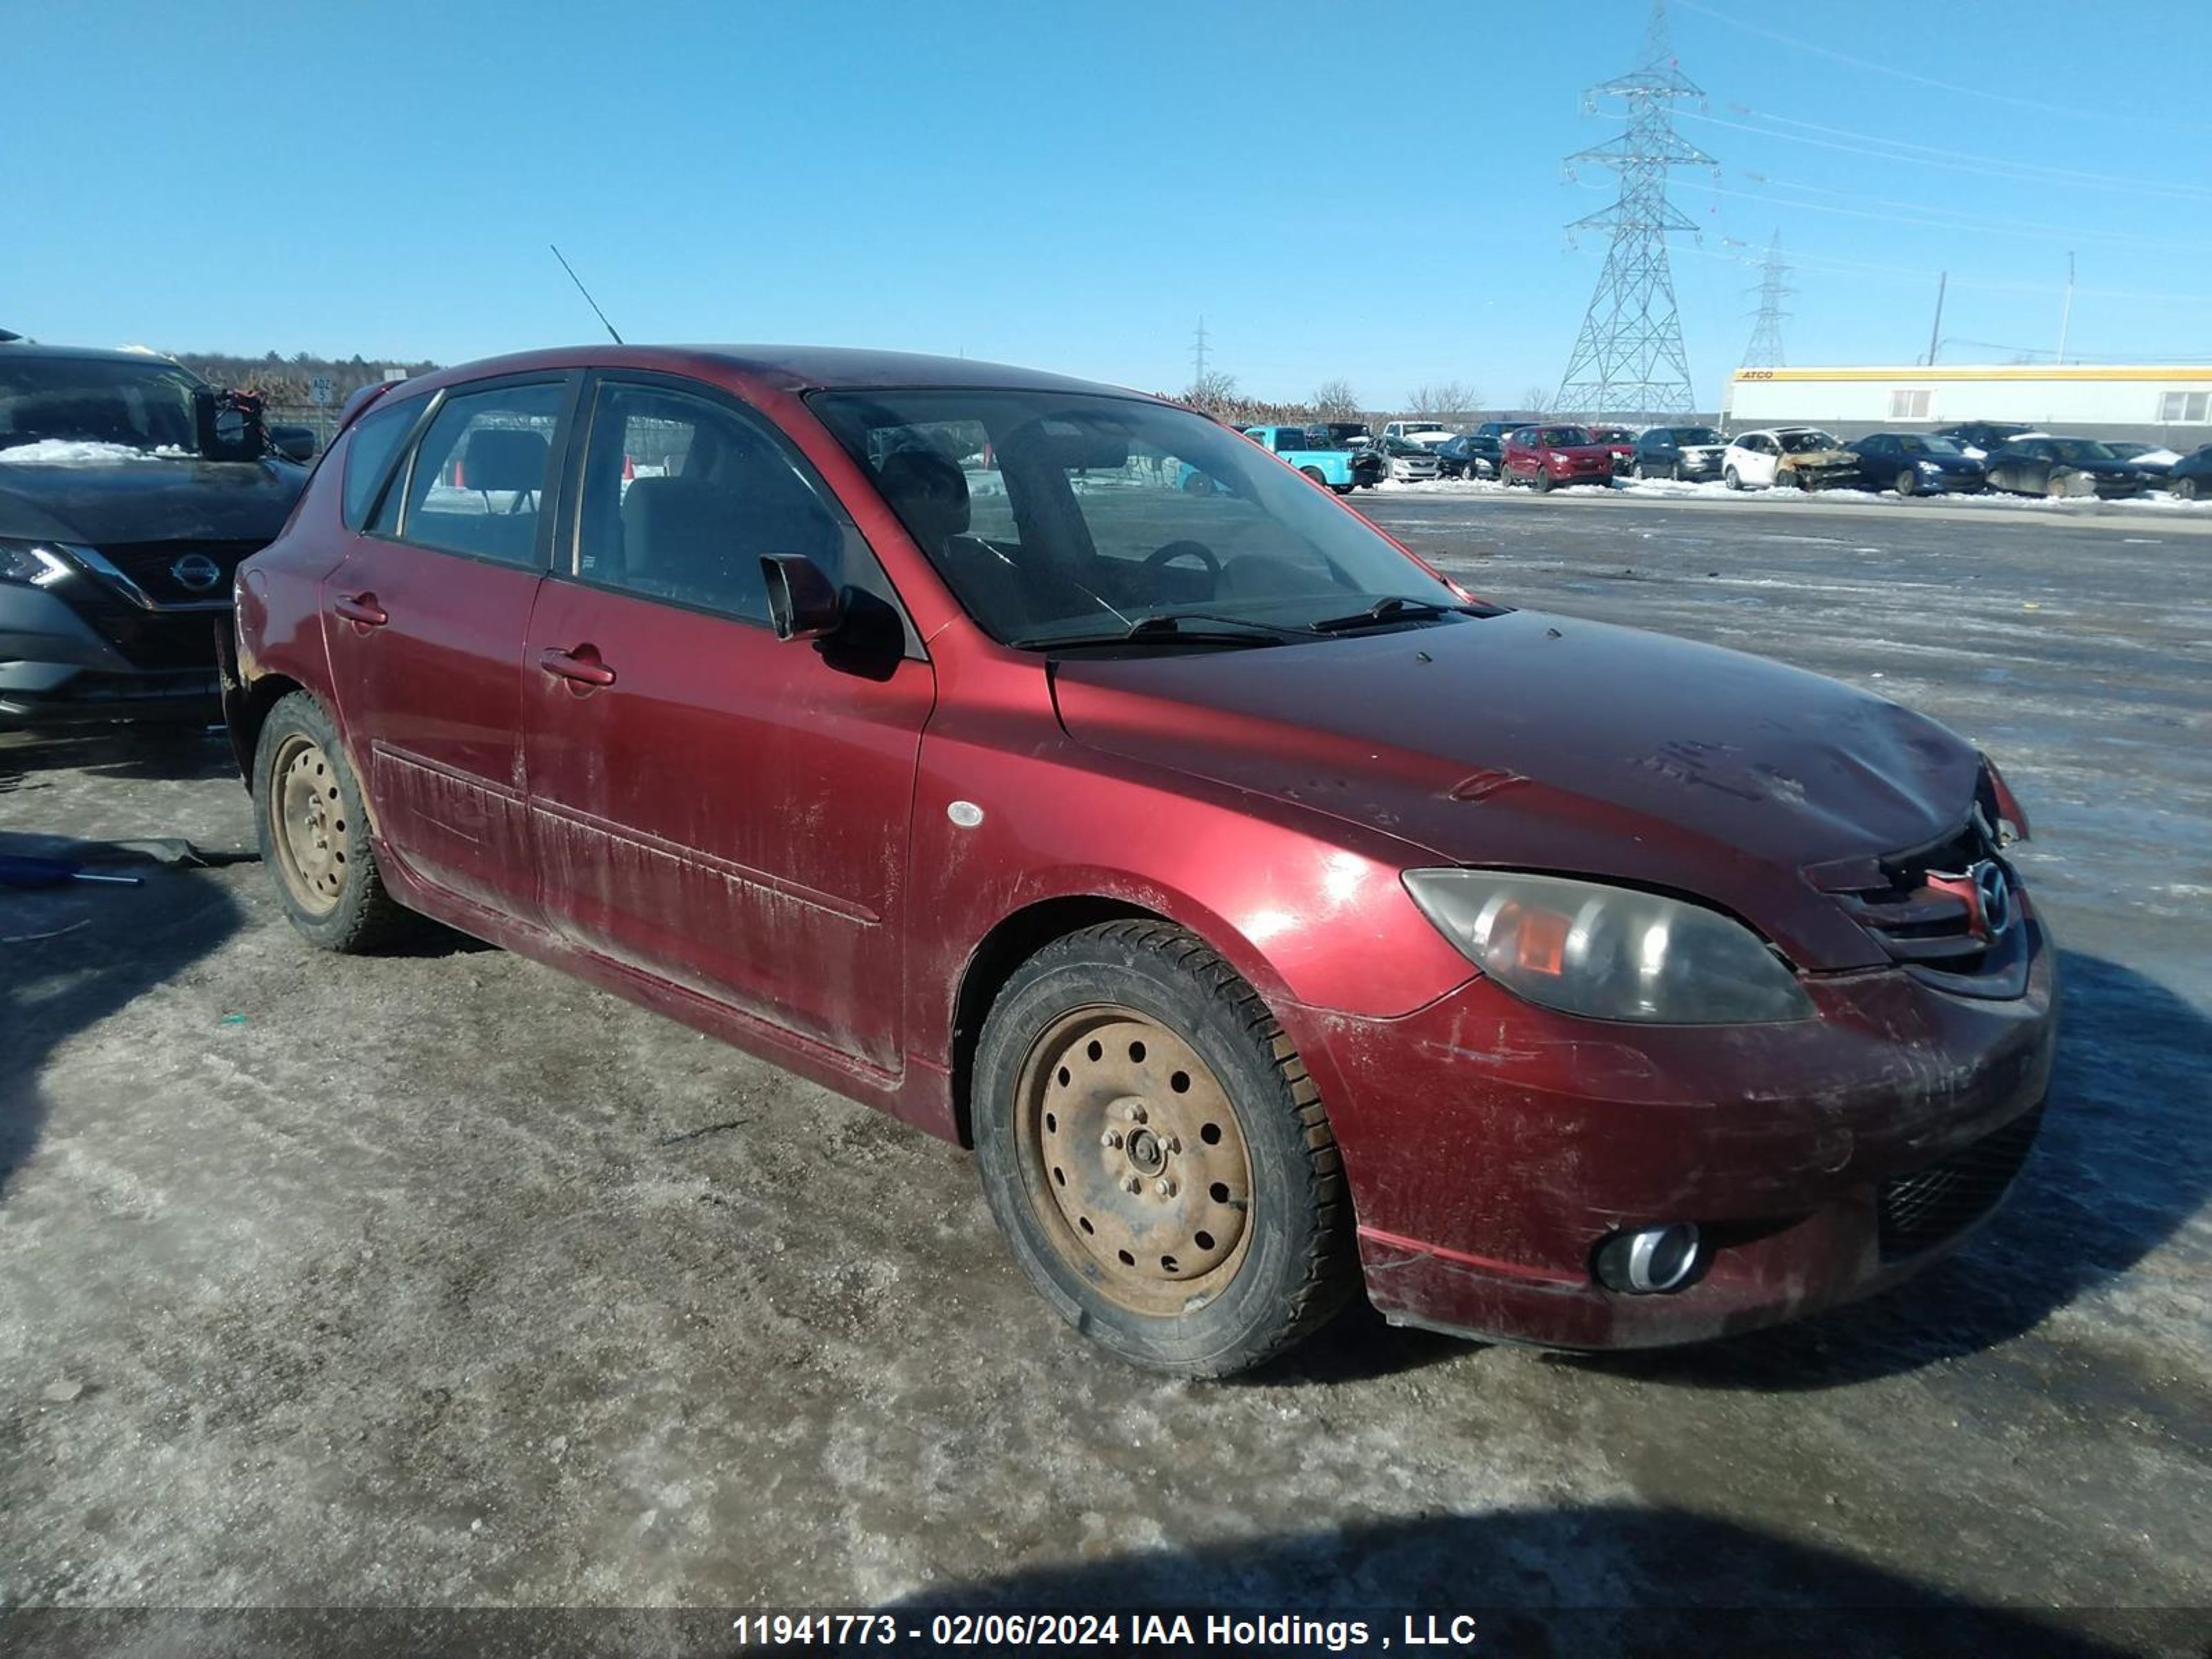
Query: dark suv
{"type": "Point", "coordinates": [130, 490]}
{"type": "Point", "coordinates": [1691, 452]}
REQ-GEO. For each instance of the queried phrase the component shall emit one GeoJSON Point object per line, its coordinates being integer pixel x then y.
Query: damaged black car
{"type": "Point", "coordinates": [130, 490]}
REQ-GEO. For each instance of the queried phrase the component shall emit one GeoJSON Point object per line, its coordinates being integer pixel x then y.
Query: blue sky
{"type": "Point", "coordinates": [1368, 191]}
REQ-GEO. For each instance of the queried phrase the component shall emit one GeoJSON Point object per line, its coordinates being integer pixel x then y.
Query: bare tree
{"type": "Point", "coordinates": [1537, 400]}
{"type": "Point", "coordinates": [1211, 391]}
{"type": "Point", "coordinates": [1335, 400]}
{"type": "Point", "coordinates": [1452, 401]}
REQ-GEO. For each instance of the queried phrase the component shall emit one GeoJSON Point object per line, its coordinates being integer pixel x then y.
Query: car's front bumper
{"type": "Point", "coordinates": [1491, 1146]}
{"type": "Point", "coordinates": [61, 666]}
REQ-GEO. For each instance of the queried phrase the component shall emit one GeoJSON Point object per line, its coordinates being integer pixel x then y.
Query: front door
{"type": "Point", "coordinates": [710, 804]}
{"type": "Point", "coordinates": [425, 619]}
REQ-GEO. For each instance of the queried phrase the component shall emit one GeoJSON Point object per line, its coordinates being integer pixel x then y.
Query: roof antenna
{"type": "Point", "coordinates": [586, 293]}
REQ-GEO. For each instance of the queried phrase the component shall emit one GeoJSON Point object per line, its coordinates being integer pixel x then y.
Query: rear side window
{"type": "Point", "coordinates": [481, 474]}
{"type": "Point", "coordinates": [375, 438]}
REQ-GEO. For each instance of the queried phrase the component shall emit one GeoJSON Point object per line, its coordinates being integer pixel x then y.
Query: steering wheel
{"type": "Point", "coordinates": [1185, 550]}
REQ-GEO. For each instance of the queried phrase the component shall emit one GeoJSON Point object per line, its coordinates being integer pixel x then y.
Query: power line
{"type": "Point", "coordinates": [1628, 357]}
{"type": "Point", "coordinates": [1927, 155]}
{"type": "Point", "coordinates": [2014, 98]}
{"type": "Point", "coordinates": [1932, 218]}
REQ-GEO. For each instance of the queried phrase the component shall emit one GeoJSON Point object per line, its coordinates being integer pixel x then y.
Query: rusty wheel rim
{"type": "Point", "coordinates": [1136, 1160]}
{"type": "Point", "coordinates": [308, 817]}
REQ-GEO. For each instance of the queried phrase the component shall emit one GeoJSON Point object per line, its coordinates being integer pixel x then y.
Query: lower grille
{"type": "Point", "coordinates": [1921, 1210]}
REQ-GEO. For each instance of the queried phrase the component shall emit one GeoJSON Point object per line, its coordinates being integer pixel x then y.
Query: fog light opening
{"type": "Point", "coordinates": [1651, 1260]}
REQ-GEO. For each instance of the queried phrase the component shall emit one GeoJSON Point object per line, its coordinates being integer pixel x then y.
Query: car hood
{"type": "Point", "coordinates": [148, 498]}
{"type": "Point", "coordinates": [1544, 743]}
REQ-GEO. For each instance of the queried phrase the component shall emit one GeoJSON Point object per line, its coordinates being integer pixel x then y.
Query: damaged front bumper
{"type": "Point", "coordinates": [1492, 1147]}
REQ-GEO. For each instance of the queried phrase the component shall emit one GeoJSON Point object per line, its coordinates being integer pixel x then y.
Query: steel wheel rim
{"type": "Point", "coordinates": [308, 817]}
{"type": "Point", "coordinates": [1098, 1108]}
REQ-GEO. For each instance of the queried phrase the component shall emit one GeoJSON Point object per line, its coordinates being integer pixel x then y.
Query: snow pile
{"type": "Point", "coordinates": [78, 452]}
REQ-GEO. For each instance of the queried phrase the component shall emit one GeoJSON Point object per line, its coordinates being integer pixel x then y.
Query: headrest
{"type": "Point", "coordinates": [499, 457]}
{"type": "Point", "coordinates": [928, 493]}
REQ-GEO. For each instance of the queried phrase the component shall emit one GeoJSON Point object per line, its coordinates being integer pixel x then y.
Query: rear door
{"type": "Point", "coordinates": [425, 619]}
{"type": "Point", "coordinates": [713, 806]}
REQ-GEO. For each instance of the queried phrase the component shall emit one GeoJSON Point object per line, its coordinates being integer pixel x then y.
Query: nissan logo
{"type": "Point", "coordinates": [1993, 888]}
{"type": "Point", "coordinates": [197, 571]}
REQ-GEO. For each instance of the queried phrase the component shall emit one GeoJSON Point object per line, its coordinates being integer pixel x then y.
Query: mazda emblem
{"type": "Point", "coordinates": [197, 571]}
{"type": "Point", "coordinates": [1993, 888]}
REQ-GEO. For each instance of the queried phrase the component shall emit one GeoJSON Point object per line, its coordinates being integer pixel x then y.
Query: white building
{"type": "Point", "coordinates": [2168, 404]}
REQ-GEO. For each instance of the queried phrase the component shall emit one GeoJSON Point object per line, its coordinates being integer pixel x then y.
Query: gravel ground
{"type": "Point", "coordinates": [440, 1279]}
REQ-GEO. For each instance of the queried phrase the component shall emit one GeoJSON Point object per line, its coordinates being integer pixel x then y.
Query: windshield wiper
{"type": "Point", "coordinates": [1171, 627]}
{"type": "Point", "coordinates": [1392, 608]}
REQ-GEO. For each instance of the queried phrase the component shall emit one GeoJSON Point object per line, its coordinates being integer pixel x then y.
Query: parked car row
{"type": "Point", "coordinates": [1965, 458]}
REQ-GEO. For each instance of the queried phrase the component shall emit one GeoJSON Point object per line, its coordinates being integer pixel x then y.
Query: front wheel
{"type": "Point", "coordinates": [2185, 490]}
{"type": "Point", "coordinates": [1732, 478]}
{"type": "Point", "coordinates": [1542, 481]}
{"type": "Point", "coordinates": [313, 830]}
{"type": "Point", "coordinates": [1908, 483]}
{"type": "Point", "coordinates": [2055, 488]}
{"type": "Point", "coordinates": [1156, 1154]}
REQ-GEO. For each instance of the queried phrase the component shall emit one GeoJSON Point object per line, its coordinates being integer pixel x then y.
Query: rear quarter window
{"type": "Point", "coordinates": [376, 438]}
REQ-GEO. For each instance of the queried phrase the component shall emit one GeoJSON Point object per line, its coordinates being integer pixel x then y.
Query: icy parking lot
{"type": "Point", "coordinates": [442, 1279]}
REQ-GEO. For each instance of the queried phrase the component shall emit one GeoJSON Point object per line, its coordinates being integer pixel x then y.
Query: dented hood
{"type": "Point", "coordinates": [1543, 743]}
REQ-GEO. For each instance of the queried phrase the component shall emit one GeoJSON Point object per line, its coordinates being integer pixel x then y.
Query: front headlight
{"type": "Point", "coordinates": [1928, 466]}
{"type": "Point", "coordinates": [31, 561]}
{"type": "Point", "coordinates": [1609, 952]}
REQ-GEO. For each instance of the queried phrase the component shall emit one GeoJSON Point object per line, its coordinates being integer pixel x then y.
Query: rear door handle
{"type": "Point", "coordinates": [582, 665]}
{"type": "Point", "coordinates": [361, 608]}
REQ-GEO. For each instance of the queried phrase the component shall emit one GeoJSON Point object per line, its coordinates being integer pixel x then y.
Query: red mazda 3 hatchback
{"type": "Point", "coordinates": [1272, 917]}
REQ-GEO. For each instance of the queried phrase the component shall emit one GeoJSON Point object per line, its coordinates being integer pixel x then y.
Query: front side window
{"type": "Point", "coordinates": [1112, 510]}
{"type": "Point", "coordinates": [479, 481]}
{"type": "Point", "coordinates": [683, 497]}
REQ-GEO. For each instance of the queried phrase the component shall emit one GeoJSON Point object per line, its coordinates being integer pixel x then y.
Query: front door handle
{"type": "Point", "coordinates": [582, 665]}
{"type": "Point", "coordinates": [361, 609]}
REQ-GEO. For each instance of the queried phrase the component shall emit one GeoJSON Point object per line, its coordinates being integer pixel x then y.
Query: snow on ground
{"type": "Point", "coordinates": [2156, 501]}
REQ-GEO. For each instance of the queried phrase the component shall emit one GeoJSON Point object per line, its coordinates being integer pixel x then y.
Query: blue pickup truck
{"type": "Point", "coordinates": [1311, 450]}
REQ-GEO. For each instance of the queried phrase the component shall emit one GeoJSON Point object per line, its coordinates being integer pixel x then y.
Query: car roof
{"type": "Point", "coordinates": [784, 367]}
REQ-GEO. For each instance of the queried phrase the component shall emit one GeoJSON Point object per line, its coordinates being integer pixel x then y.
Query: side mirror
{"type": "Point", "coordinates": [803, 603]}
{"type": "Point", "coordinates": [293, 443]}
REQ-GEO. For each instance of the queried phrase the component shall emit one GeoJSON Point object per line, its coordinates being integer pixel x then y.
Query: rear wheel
{"type": "Point", "coordinates": [1157, 1156]}
{"type": "Point", "coordinates": [313, 830]}
{"type": "Point", "coordinates": [1314, 473]}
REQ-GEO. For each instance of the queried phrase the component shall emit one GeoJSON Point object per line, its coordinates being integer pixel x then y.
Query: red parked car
{"type": "Point", "coordinates": [1621, 440]}
{"type": "Point", "coordinates": [1548, 455]}
{"type": "Point", "coordinates": [1273, 918]}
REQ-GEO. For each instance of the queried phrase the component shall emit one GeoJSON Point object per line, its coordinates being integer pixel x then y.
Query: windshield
{"type": "Point", "coordinates": [1563, 437]}
{"type": "Point", "coordinates": [2075, 451]}
{"type": "Point", "coordinates": [1056, 515]}
{"type": "Point", "coordinates": [1697, 434]}
{"type": "Point", "coordinates": [1799, 443]}
{"type": "Point", "coordinates": [141, 405]}
{"type": "Point", "coordinates": [1913, 444]}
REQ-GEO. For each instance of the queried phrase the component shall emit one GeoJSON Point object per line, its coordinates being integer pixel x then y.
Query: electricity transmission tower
{"type": "Point", "coordinates": [1198, 356]}
{"type": "Point", "coordinates": [1628, 359]}
{"type": "Point", "coordinates": [1764, 350]}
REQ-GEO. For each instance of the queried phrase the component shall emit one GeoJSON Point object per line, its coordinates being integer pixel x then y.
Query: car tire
{"type": "Point", "coordinates": [1732, 478]}
{"type": "Point", "coordinates": [1542, 481]}
{"type": "Point", "coordinates": [1132, 1051]}
{"type": "Point", "coordinates": [2185, 490]}
{"type": "Point", "coordinates": [1340, 490]}
{"type": "Point", "coordinates": [313, 831]}
{"type": "Point", "coordinates": [1314, 473]}
{"type": "Point", "coordinates": [1908, 483]}
{"type": "Point", "coordinates": [2054, 488]}
{"type": "Point", "coordinates": [1198, 485]}
{"type": "Point", "coordinates": [1635, 469]}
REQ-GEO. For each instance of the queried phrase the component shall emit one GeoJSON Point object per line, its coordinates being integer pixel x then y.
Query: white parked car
{"type": "Point", "coordinates": [1427, 434]}
{"type": "Point", "coordinates": [1799, 457]}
